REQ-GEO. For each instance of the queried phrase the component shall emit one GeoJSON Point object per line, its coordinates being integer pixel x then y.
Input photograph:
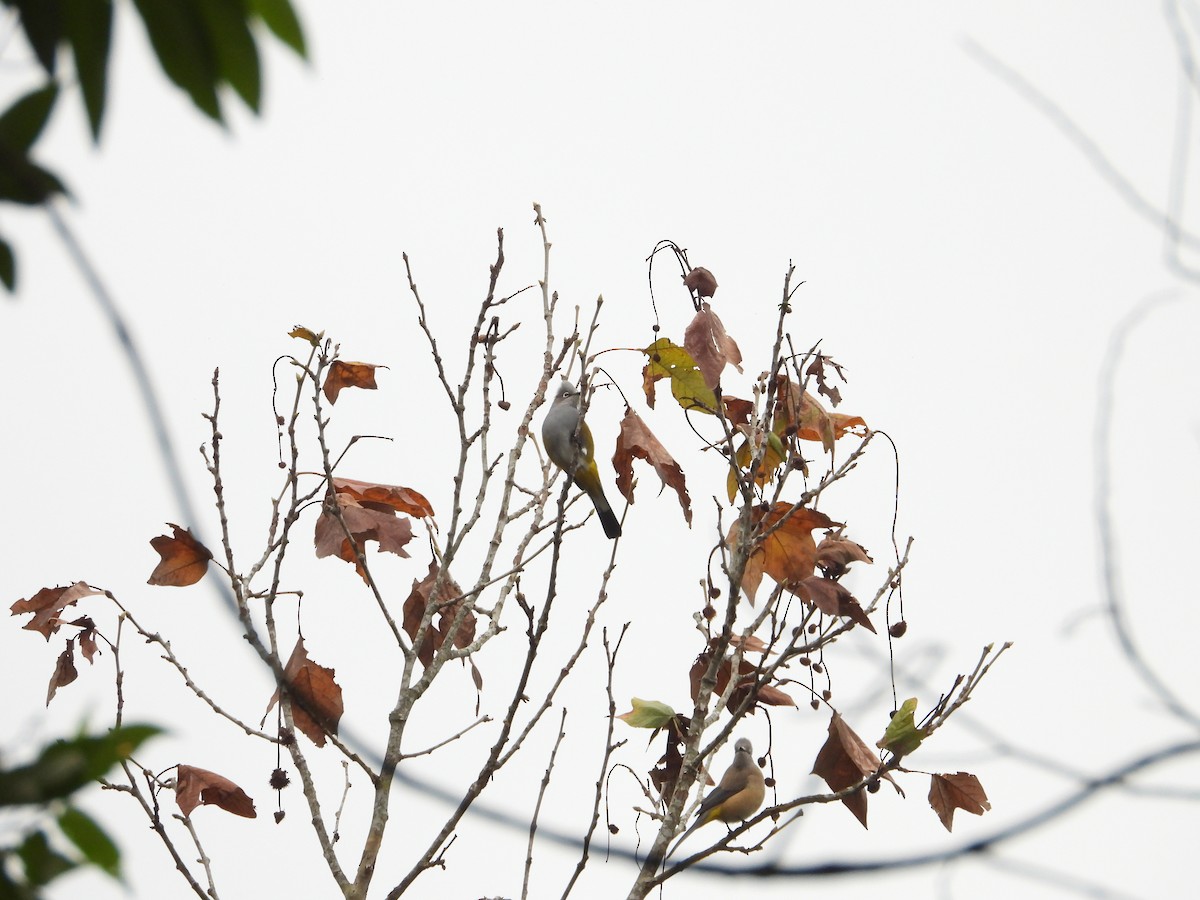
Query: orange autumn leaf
{"type": "Point", "coordinates": [788, 553]}
{"type": "Point", "coordinates": [636, 441]}
{"type": "Point", "coordinates": [195, 787]}
{"type": "Point", "coordinates": [845, 760]}
{"type": "Point", "coordinates": [345, 374]}
{"type": "Point", "coordinates": [48, 604]}
{"type": "Point", "coordinates": [709, 345]}
{"type": "Point", "coordinates": [184, 559]}
{"type": "Point", "coordinates": [961, 790]}
{"type": "Point", "coordinates": [316, 696]}
{"type": "Point", "coordinates": [737, 410]}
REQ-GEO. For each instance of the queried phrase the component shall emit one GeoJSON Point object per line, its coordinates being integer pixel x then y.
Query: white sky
{"type": "Point", "coordinates": [962, 260]}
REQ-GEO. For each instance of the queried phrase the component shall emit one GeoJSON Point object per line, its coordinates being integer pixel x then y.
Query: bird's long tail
{"type": "Point", "coordinates": [612, 527]}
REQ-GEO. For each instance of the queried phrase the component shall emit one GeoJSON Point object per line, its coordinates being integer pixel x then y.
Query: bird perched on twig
{"type": "Point", "coordinates": [737, 797]}
{"type": "Point", "coordinates": [569, 444]}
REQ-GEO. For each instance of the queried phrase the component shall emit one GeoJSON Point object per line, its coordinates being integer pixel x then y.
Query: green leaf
{"type": "Point", "coordinates": [42, 864]}
{"type": "Point", "coordinates": [89, 29]}
{"type": "Point", "coordinates": [93, 842]}
{"type": "Point", "coordinates": [66, 766]}
{"type": "Point", "coordinates": [24, 181]}
{"type": "Point", "coordinates": [279, 16]}
{"type": "Point", "coordinates": [8, 265]}
{"type": "Point", "coordinates": [237, 55]}
{"type": "Point", "coordinates": [42, 22]}
{"type": "Point", "coordinates": [647, 714]}
{"type": "Point", "coordinates": [9, 889]}
{"type": "Point", "coordinates": [183, 46]}
{"type": "Point", "coordinates": [22, 122]}
{"type": "Point", "coordinates": [902, 736]}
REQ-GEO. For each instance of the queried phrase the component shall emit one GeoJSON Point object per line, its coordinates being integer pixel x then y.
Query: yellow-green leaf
{"type": "Point", "coordinates": [647, 714]}
{"type": "Point", "coordinates": [305, 334]}
{"type": "Point", "coordinates": [668, 360]}
{"type": "Point", "coordinates": [902, 736]}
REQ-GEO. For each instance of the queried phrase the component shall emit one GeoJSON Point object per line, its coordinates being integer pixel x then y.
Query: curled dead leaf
{"type": "Point", "coordinates": [64, 671]}
{"type": "Point", "coordinates": [833, 600]}
{"type": "Point", "coordinates": [184, 560]}
{"type": "Point", "coordinates": [636, 441]}
{"type": "Point", "coordinates": [47, 606]}
{"type": "Point", "coordinates": [195, 787]}
{"type": "Point", "coordinates": [345, 374]}
{"type": "Point", "coordinates": [701, 282]}
{"type": "Point", "coordinates": [316, 697]}
{"type": "Point", "coordinates": [845, 760]}
{"type": "Point", "coordinates": [445, 601]}
{"type": "Point", "coordinates": [710, 346]}
{"type": "Point", "coordinates": [306, 334]}
{"type": "Point", "coordinates": [961, 790]}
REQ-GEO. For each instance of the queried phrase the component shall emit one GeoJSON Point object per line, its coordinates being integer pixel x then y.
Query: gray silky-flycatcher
{"type": "Point", "coordinates": [569, 444]}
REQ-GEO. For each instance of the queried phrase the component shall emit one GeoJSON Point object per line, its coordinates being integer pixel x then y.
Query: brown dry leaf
{"type": "Point", "coordinates": [194, 787]}
{"type": "Point", "coordinates": [700, 281]}
{"type": "Point", "coordinates": [64, 671]}
{"type": "Point", "coordinates": [419, 599]}
{"type": "Point", "coordinates": [737, 410]}
{"type": "Point", "coordinates": [712, 349]}
{"type": "Point", "coordinates": [635, 440]}
{"type": "Point", "coordinates": [789, 554]}
{"type": "Point", "coordinates": [47, 604]}
{"type": "Point", "coordinates": [836, 553]}
{"type": "Point", "coordinates": [845, 760]}
{"type": "Point", "coordinates": [344, 374]}
{"type": "Point", "coordinates": [666, 772]}
{"type": "Point", "coordinates": [87, 638]}
{"type": "Point", "coordinates": [802, 411]}
{"type": "Point", "coordinates": [961, 790]}
{"type": "Point", "coordinates": [366, 521]}
{"type": "Point", "coordinates": [747, 675]}
{"type": "Point", "coordinates": [751, 644]}
{"type": "Point", "coordinates": [773, 696]}
{"type": "Point", "coordinates": [401, 499]}
{"type": "Point", "coordinates": [316, 697]}
{"type": "Point", "coordinates": [184, 559]}
{"type": "Point", "coordinates": [833, 600]}
{"type": "Point", "coordinates": [816, 369]}
{"type": "Point", "coordinates": [701, 665]}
